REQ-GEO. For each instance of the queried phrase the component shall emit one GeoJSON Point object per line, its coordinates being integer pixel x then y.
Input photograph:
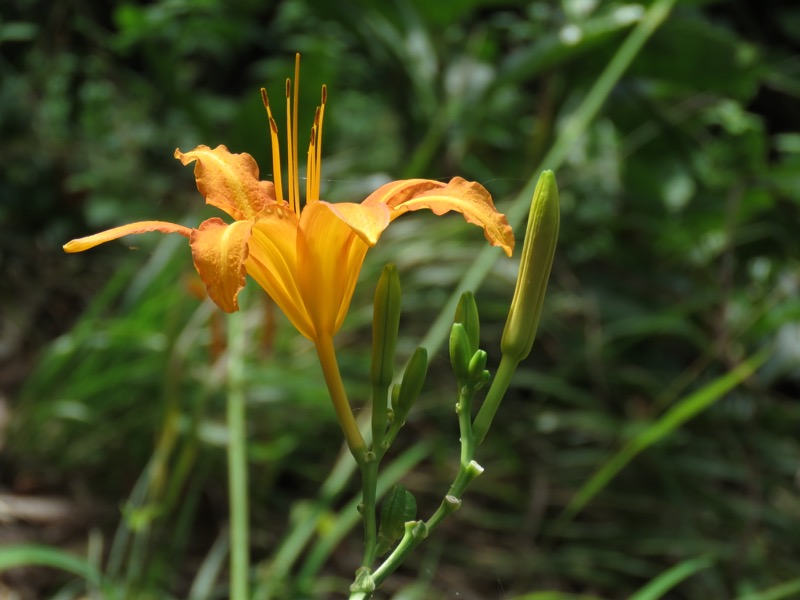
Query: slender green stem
{"type": "Point", "coordinates": [348, 516]}
{"type": "Point", "coordinates": [380, 395]}
{"type": "Point", "coordinates": [333, 378]}
{"type": "Point", "coordinates": [464, 410]}
{"type": "Point", "coordinates": [493, 397]}
{"type": "Point", "coordinates": [237, 460]}
{"type": "Point", "coordinates": [369, 484]}
{"type": "Point", "coordinates": [369, 473]}
{"type": "Point", "coordinates": [468, 470]}
{"type": "Point", "coordinates": [367, 461]}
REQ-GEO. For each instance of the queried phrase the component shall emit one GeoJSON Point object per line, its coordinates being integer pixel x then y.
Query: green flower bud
{"type": "Point", "coordinates": [477, 364]}
{"type": "Point", "coordinates": [395, 396]}
{"type": "Point", "coordinates": [385, 325]}
{"type": "Point", "coordinates": [484, 378]}
{"type": "Point", "coordinates": [534, 270]}
{"type": "Point", "coordinates": [411, 386]}
{"type": "Point", "coordinates": [460, 353]}
{"type": "Point", "coordinates": [467, 315]}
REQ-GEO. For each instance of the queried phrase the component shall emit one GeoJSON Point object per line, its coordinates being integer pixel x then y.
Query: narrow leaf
{"type": "Point", "coordinates": [398, 507]}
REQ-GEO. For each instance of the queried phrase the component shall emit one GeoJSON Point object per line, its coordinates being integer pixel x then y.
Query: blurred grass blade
{"type": "Point", "coordinates": [790, 589]}
{"type": "Point", "coordinates": [555, 596]}
{"type": "Point", "coordinates": [208, 573]}
{"type": "Point", "coordinates": [551, 49]}
{"type": "Point", "coordinates": [683, 410]}
{"type": "Point", "coordinates": [659, 586]}
{"type": "Point", "coordinates": [576, 124]}
{"type": "Point", "coordinates": [12, 557]}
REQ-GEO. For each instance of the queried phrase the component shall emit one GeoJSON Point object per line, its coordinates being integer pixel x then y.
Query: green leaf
{"type": "Point", "coordinates": [398, 507]}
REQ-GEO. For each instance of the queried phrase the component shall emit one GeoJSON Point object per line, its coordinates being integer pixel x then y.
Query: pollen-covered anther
{"type": "Point", "coordinates": [275, 145]}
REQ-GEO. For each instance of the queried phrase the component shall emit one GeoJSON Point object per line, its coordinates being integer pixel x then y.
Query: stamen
{"type": "Point", "coordinates": [310, 167]}
{"type": "Point", "coordinates": [318, 158]}
{"type": "Point", "coordinates": [291, 175]}
{"type": "Point", "coordinates": [294, 129]}
{"type": "Point", "coordinates": [312, 186]}
{"type": "Point", "coordinates": [276, 150]}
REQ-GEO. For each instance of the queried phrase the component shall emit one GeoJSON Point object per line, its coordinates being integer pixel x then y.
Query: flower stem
{"type": "Point", "coordinates": [468, 470]}
{"type": "Point", "coordinates": [380, 418]}
{"type": "Point", "coordinates": [494, 396]}
{"type": "Point", "coordinates": [237, 460]}
{"type": "Point", "coordinates": [333, 378]}
{"type": "Point", "coordinates": [369, 484]}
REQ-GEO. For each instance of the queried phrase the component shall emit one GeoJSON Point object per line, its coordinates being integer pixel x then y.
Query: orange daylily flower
{"type": "Point", "coordinates": [307, 259]}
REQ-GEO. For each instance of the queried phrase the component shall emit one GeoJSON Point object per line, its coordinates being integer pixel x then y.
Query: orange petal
{"type": "Point", "coordinates": [367, 220]}
{"type": "Point", "coordinates": [91, 241]}
{"type": "Point", "coordinates": [355, 259]}
{"type": "Point", "coordinates": [330, 252]}
{"type": "Point", "coordinates": [273, 263]}
{"type": "Point", "coordinates": [469, 198]}
{"type": "Point", "coordinates": [219, 253]}
{"type": "Point", "coordinates": [229, 181]}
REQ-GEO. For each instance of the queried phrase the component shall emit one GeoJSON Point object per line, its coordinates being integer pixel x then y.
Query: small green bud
{"type": "Point", "coordinates": [460, 354]}
{"type": "Point", "coordinates": [483, 380]}
{"type": "Point", "coordinates": [476, 365]}
{"type": "Point", "coordinates": [467, 315]}
{"type": "Point", "coordinates": [534, 270]}
{"type": "Point", "coordinates": [411, 386]}
{"type": "Point", "coordinates": [395, 396]}
{"type": "Point", "coordinates": [385, 325]}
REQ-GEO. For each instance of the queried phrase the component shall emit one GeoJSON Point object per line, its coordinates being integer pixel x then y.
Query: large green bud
{"type": "Point", "coordinates": [534, 270]}
{"type": "Point", "coordinates": [385, 325]}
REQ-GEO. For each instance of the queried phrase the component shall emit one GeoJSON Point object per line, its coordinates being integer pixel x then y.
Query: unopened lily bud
{"type": "Point", "coordinates": [481, 381]}
{"type": "Point", "coordinates": [478, 375]}
{"type": "Point", "coordinates": [411, 386]}
{"type": "Point", "coordinates": [477, 364]}
{"type": "Point", "coordinates": [394, 394]}
{"type": "Point", "coordinates": [534, 270]}
{"type": "Point", "coordinates": [460, 353]}
{"type": "Point", "coordinates": [467, 315]}
{"type": "Point", "coordinates": [385, 325]}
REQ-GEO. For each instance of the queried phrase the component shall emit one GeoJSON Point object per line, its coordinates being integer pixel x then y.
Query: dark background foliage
{"type": "Point", "coordinates": [678, 259]}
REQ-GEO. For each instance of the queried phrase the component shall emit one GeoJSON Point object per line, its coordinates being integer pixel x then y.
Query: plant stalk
{"type": "Point", "coordinates": [333, 379]}
{"type": "Point", "coordinates": [237, 461]}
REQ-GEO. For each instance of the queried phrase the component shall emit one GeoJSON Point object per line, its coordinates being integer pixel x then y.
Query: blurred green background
{"type": "Point", "coordinates": [677, 262]}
